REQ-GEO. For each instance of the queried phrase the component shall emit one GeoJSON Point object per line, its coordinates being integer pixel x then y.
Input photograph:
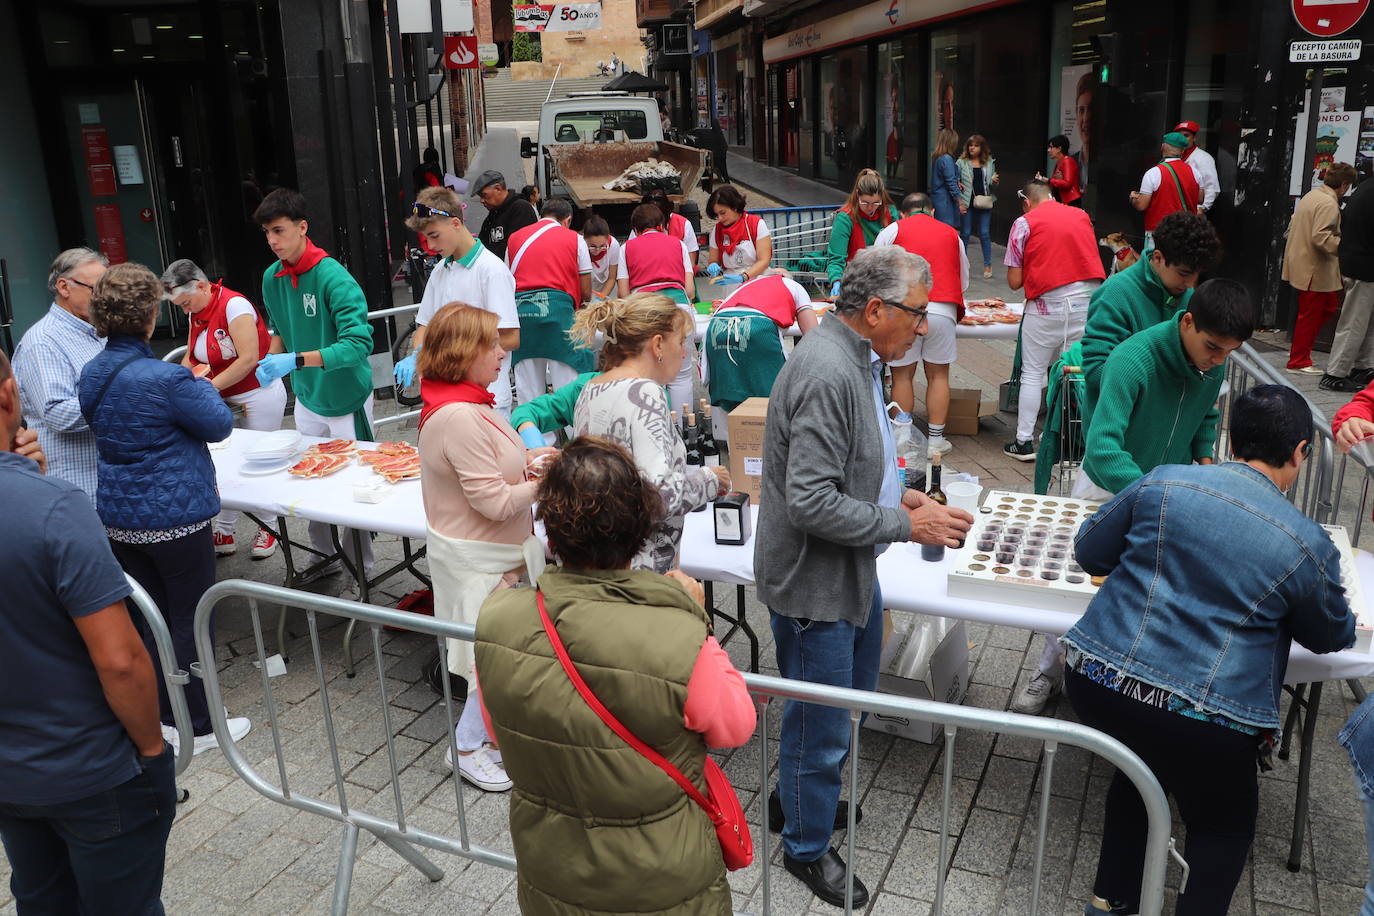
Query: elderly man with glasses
{"type": "Point", "coordinates": [48, 362]}
{"type": "Point", "coordinates": [831, 502]}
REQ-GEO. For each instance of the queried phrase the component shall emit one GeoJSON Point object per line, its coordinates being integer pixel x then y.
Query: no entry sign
{"type": "Point", "coordinates": [1326, 18]}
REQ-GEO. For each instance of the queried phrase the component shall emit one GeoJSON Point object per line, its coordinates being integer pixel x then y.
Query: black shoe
{"type": "Point", "coordinates": [1021, 451]}
{"type": "Point", "coordinates": [826, 878]}
{"type": "Point", "coordinates": [1362, 375]}
{"type": "Point", "coordinates": [457, 686]}
{"type": "Point", "coordinates": [1337, 383]}
{"type": "Point", "coordinates": [776, 818]}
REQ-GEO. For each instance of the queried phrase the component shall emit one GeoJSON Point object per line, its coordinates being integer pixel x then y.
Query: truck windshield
{"type": "Point", "coordinates": [573, 126]}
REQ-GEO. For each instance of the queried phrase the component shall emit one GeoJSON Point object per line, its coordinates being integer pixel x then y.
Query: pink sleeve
{"type": "Point", "coordinates": [718, 703]}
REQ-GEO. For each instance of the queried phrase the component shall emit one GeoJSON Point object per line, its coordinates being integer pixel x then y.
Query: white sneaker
{"type": "Point", "coordinates": [237, 729]}
{"type": "Point", "coordinates": [938, 447]}
{"type": "Point", "coordinates": [1036, 693]}
{"type": "Point", "coordinates": [482, 768]}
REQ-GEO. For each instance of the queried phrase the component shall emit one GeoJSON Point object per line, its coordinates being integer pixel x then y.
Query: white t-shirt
{"type": "Point", "coordinates": [485, 283]}
{"type": "Point", "coordinates": [1205, 171]}
{"type": "Point", "coordinates": [584, 257]}
{"type": "Point", "coordinates": [889, 237]}
{"type": "Point", "coordinates": [610, 259]}
{"type": "Point", "coordinates": [745, 254]}
{"type": "Point", "coordinates": [623, 272]}
{"type": "Point", "coordinates": [1150, 182]}
{"type": "Point", "coordinates": [237, 307]}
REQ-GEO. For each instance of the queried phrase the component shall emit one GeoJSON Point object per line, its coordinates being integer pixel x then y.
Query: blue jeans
{"type": "Point", "coordinates": [814, 741]}
{"type": "Point", "coordinates": [979, 223]}
{"type": "Point", "coordinates": [1368, 908]}
{"type": "Point", "coordinates": [100, 854]}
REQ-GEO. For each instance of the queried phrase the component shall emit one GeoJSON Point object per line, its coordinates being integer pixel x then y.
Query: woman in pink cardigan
{"type": "Point", "coordinates": [477, 491]}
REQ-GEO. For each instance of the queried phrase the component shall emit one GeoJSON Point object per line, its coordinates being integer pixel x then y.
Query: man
{"type": "Point", "coordinates": [1157, 406]}
{"type": "Point", "coordinates": [1354, 333]}
{"type": "Point", "coordinates": [320, 336]}
{"type": "Point", "coordinates": [1167, 188]}
{"type": "Point", "coordinates": [1064, 183]}
{"type": "Point", "coordinates": [509, 212]}
{"type": "Point", "coordinates": [1154, 288]}
{"type": "Point", "coordinates": [832, 502]}
{"type": "Point", "coordinates": [1201, 162]}
{"type": "Point", "coordinates": [1052, 255]}
{"type": "Point", "coordinates": [920, 233]}
{"type": "Point", "coordinates": [1311, 262]}
{"type": "Point", "coordinates": [553, 277]}
{"type": "Point", "coordinates": [468, 273]}
{"type": "Point", "coordinates": [87, 785]}
{"type": "Point", "coordinates": [48, 362]}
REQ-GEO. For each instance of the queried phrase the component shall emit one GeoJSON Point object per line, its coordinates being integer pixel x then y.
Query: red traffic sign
{"type": "Point", "coordinates": [146, 214]}
{"type": "Point", "coordinates": [1328, 17]}
{"type": "Point", "coordinates": [460, 52]}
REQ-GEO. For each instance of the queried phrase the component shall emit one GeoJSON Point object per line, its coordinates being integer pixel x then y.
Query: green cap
{"type": "Point", "coordinates": [1174, 138]}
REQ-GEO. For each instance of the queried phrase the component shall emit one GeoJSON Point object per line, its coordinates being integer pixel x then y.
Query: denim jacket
{"type": "Point", "coordinates": [1212, 574]}
{"type": "Point", "coordinates": [1358, 738]}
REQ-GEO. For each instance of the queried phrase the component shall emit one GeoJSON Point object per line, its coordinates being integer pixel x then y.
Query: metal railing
{"type": "Point", "coordinates": [797, 233]}
{"type": "Point", "coordinates": [398, 831]}
{"type": "Point", "coordinates": [175, 678]}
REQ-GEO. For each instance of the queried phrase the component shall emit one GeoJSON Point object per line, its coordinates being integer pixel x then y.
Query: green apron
{"type": "Point", "coordinates": [677, 294]}
{"type": "Point", "coordinates": [743, 356]}
{"type": "Point", "coordinates": [546, 316]}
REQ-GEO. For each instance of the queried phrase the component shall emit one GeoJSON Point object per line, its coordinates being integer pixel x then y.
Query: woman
{"type": "Point", "coordinates": [226, 339]}
{"type": "Point", "coordinates": [744, 351]}
{"type": "Point", "coordinates": [977, 177]}
{"type": "Point", "coordinates": [477, 497]}
{"type": "Point", "coordinates": [944, 178]}
{"type": "Point", "coordinates": [531, 193]}
{"type": "Point", "coordinates": [1064, 182]}
{"type": "Point", "coordinates": [597, 828]}
{"type": "Point", "coordinates": [675, 224]}
{"type": "Point", "coordinates": [652, 261]}
{"type": "Point", "coordinates": [157, 492]}
{"type": "Point", "coordinates": [868, 211]}
{"type": "Point", "coordinates": [740, 244]}
{"type": "Point", "coordinates": [605, 254]}
{"type": "Point", "coordinates": [644, 346]}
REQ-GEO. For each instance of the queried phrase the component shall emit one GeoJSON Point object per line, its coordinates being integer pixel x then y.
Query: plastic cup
{"type": "Point", "coordinates": [962, 494]}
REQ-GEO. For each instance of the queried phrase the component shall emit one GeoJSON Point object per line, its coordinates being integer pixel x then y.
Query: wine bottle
{"type": "Point", "coordinates": [686, 409]}
{"type": "Point", "coordinates": [935, 552]}
{"type": "Point", "coordinates": [710, 451]}
{"type": "Point", "coordinates": [693, 443]}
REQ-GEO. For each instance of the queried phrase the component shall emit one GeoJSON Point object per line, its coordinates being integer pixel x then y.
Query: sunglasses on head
{"type": "Point", "coordinates": [424, 211]}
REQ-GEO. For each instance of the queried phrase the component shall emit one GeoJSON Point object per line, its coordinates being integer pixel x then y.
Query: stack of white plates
{"type": "Point", "coordinates": [272, 452]}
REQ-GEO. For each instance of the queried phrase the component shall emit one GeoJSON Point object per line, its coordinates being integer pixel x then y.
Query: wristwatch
{"type": "Point", "coordinates": [300, 360]}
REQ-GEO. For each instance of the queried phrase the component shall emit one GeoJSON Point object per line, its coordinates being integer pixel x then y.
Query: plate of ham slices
{"type": "Point", "coordinates": [392, 461]}
{"type": "Point", "coordinates": [325, 458]}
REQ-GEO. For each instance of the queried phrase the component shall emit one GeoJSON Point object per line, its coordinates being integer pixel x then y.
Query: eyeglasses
{"type": "Point", "coordinates": [79, 283]}
{"type": "Point", "coordinates": [424, 211]}
{"type": "Point", "coordinates": [919, 313]}
{"type": "Point", "coordinates": [1022, 195]}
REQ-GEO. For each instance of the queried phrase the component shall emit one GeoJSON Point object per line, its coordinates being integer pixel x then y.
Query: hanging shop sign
{"type": "Point", "coordinates": [415, 16]}
{"type": "Point", "coordinates": [1325, 18]}
{"type": "Point", "coordinates": [866, 22]}
{"type": "Point", "coordinates": [460, 52]}
{"type": "Point", "coordinates": [557, 17]}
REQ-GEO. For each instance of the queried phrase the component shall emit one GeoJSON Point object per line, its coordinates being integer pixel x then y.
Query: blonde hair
{"type": "Point", "coordinates": [869, 181]}
{"type": "Point", "coordinates": [946, 142]}
{"type": "Point", "coordinates": [453, 339]}
{"type": "Point", "coordinates": [626, 325]}
{"type": "Point", "coordinates": [125, 298]}
{"type": "Point", "coordinates": [445, 199]}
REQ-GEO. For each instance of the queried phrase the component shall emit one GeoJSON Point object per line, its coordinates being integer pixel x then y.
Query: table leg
{"type": "Point", "coordinates": [1297, 692]}
{"type": "Point", "coordinates": [738, 623]}
{"type": "Point", "coordinates": [354, 565]}
{"type": "Point", "coordinates": [1309, 729]}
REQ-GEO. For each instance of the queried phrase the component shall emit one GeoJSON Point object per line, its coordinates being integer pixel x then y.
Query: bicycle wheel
{"type": "Point", "coordinates": [406, 395]}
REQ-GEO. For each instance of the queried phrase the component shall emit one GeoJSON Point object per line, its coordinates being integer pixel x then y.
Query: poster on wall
{"type": "Point", "coordinates": [1336, 141]}
{"type": "Point", "coordinates": [703, 102]}
{"type": "Point", "coordinates": [1076, 85]}
{"type": "Point", "coordinates": [100, 170]}
{"type": "Point", "coordinates": [557, 17]}
{"type": "Point", "coordinates": [109, 228]}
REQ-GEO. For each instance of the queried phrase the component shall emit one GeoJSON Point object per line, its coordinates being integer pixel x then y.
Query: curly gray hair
{"type": "Point", "coordinates": [66, 263]}
{"type": "Point", "coordinates": [884, 272]}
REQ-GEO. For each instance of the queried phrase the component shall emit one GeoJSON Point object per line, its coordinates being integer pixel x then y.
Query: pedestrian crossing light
{"type": "Point", "coordinates": [1104, 73]}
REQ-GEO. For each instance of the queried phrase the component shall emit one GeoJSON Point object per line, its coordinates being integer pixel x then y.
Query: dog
{"type": "Point", "coordinates": [1125, 253]}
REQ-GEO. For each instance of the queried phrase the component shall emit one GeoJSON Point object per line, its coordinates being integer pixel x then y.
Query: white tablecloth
{"type": "Point", "coordinates": [324, 499]}
{"type": "Point", "coordinates": [912, 584]}
{"type": "Point", "coordinates": [969, 331]}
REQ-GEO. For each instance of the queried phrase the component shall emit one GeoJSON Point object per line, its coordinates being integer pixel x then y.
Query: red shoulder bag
{"type": "Point", "coordinates": [721, 804]}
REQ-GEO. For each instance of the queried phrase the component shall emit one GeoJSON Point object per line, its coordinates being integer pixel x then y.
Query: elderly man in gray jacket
{"type": "Point", "coordinates": [831, 503]}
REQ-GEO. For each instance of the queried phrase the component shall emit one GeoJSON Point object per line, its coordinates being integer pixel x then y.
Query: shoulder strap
{"type": "Point", "coordinates": [711, 809]}
{"type": "Point", "coordinates": [515, 261]}
{"type": "Point", "coordinates": [100, 396]}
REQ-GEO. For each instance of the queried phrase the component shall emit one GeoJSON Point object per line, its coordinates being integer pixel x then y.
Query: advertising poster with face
{"type": "Point", "coordinates": [1075, 114]}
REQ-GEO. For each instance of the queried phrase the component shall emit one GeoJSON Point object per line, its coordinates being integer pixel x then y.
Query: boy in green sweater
{"type": "Point", "coordinates": [320, 336]}
{"type": "Point", "coordinates": [1154, 288]}
{"type": "Point", "coordinates": [1156, 406]}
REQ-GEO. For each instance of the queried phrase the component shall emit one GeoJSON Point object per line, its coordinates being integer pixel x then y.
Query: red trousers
{"type": "Point", "coordinates": [1314, 310]}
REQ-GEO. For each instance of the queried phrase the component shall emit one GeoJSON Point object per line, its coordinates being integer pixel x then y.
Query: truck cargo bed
{"type": "Point", "coordinates": [583, 168]}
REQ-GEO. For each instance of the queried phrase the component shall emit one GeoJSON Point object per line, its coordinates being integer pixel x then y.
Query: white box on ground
{"type": "Point", "coordinates": [926, 658]}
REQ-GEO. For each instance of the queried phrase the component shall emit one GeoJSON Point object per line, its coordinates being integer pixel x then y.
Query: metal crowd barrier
{"type": "Point", "coordinates": [797, 233]}
{"type": "Point", "coordinates": [175, 678]}
{"type": "Point", "coordinates": [398, 831]}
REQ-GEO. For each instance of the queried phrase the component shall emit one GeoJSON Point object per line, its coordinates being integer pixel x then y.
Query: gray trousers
{"type": "Point", "coordinates": [1353, 344]}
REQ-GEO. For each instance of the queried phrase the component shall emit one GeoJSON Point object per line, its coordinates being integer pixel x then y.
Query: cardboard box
{"type": "Point", "coordinates": [746, 447]}
{"type": "Point", "coordinates": [910, 668]}
{"type": "Point", "coordinates": [965, 407]}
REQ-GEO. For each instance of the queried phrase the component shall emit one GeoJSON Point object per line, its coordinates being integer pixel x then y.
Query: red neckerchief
{"type": "Point", "coordinates": [856, 229]}
{"type": "Point", "coordinates": [729, 237]}
{"type": "Point", "coordinates": [1124, 253]}
{"type": "Point", "coordinates": [1189, 151]}
{"type": "Point", "coordinates": [200, 321]}
{"type": "Point", "coordinates": [603, 256]}
{"type": "Point", "coordinates": [436, 394]}
{"type": "Point", "coordinates": [312, 255]}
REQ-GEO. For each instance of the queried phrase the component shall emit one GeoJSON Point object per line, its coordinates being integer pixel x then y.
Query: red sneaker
{"type": "Point", "coordinates": [264, 545]}
{"type": "Point", "coordinates": [224, 544]}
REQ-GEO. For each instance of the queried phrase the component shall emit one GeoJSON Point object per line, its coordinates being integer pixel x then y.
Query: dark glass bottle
{"type": "Point", "coordinates": [686, 409]}
{"type": "Point", "coordinates": [692, 441]}
{"type": "Point", "coordinates": [710, 452]}
{"type": "Point", "coordinates": [934, 552]}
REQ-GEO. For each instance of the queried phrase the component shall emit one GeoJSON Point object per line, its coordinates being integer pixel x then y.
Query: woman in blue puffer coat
{"type": "Point", "coordinates": [156, 493]}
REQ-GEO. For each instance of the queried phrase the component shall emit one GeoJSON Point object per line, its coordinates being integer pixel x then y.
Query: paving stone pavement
{"type": "Point", "coordinates": [233, 851]}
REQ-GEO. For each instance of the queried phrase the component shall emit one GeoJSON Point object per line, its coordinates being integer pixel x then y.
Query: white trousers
{"type": "Point", "coordinates": [262, 411]}
{"type": "Point", "coordinates": [682, 389]}
{"type": "Point", "coordinates": [309, 423]}
{"type": "Point", "coordinates": [533, 376]}
{"type": "Point", "coordinates": [1043, 338]}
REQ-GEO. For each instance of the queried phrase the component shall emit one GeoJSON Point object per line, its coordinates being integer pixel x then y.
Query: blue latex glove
{"type": "Point", "coordinates": [532, 437]}
{"type": "Point", "coordinates": [405, 371]}
{"type": "Point", "coordinates": [834, 289]}
{"type": "Point", "coordinates": [273, 366]}
{"type": "Point", "coordinates": [713, 269]}
{"type": "Point", "coordinates": [731, 278]}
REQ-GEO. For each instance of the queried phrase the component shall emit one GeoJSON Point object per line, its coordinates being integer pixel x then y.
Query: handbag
{"type": "Point", "coordinates": [721, 804]}
{"type": "Point", "coordinates": [982, 201]}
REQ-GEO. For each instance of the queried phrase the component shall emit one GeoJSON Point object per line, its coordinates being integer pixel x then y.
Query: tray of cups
{"type": "Point", "coordinates": [1020, 551]}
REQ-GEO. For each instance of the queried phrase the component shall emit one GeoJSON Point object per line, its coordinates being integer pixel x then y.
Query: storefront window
{"type": "Point", "coordinates": [887, 109]}
{"type": "Point", "coordinates": [726, 101]}
{"type": "Point", "coordinates": [846, 136]}
{"type": "Point", "coordinates": [1215, 66]}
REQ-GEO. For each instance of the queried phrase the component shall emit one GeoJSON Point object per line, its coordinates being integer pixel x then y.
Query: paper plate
{"type": "Point", "coordinates": [273, 446]}
{"type": "Point", "coordinates": [263, 468]}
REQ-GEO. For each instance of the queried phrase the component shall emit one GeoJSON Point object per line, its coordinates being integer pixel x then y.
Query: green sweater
{"type": "Point", "coordinates": [554, 410]}
{"type": "Point", "coordinates": [327, 312]}
{"type": "Point", "coordinates": [1129, 301]}
{"type": "Point", "coordinates": [837, 254]}
{"type": "Point", "coordinates": [1155, 408]}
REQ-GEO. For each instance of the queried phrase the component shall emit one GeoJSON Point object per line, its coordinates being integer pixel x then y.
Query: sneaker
{"type": "Point", "coordinates": [1111, 909]}
{"type": "Point", "coordinates": [1306, 370]}
{"type": "Point", "coordinates": [938, 447]}
{"type": "Point", "coordinates": [987, 273]}
{"type": "Point", "coordinates": [264, 544]}
{"type": "Point", "coordinates": [237, 729]}
{"type": "Point", "coordinates": [1336, 383]}
{"type": "Point", "coordinates": [332, 568]}
{"type": "Point", "coordinates": [1036, 693]}
{"type": "Point", "coordinates": [224, 544]}
{"type": "Point", "coordinates": [1362, 375]}
{"type": "Point", "coordinates": [1021, 451]}
{"type": "Point", "coordinates": [482, 768]}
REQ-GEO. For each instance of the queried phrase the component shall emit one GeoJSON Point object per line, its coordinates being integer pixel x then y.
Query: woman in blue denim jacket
{"type": "Point", "coordinates": [1358, 738]}
{"type": "Point", "coordinates": [1182, 653]}
{"type": "Point", "coordinates": [944, 178]}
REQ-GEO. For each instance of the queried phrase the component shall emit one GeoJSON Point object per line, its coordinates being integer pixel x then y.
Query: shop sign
{"type": "Point", "coordinates": [866, 22]}
{"type": "Point", "coordinates": [1312, 52]}
{"type": "Point", "coordinates": [1326, 18]}
{"type": "Point", "coordinates": [487, 51]}
{"type": "Point", "coordinates": [414, 16]}
{"type": "Point", "coordinates": [460, 52]}
{"type": "Point", "coordinates": [557, 17]}
{"type": "Point", "coordinates": [109, 228]}
{"type": "Point", "coordinates": [100, 171]}
{"type": "Point", "coordinates": [675, 39]}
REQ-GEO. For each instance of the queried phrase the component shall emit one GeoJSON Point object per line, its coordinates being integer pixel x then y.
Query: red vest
{"type": "Point", "coordinates": [654, 261]}
{"type": "Point", "coordinates": [211, 320]}
{"type": "Point", "coordinates": [549, 262]}
{"type": "Point", "coordinates": [1061, 249]}
{"type": "Point", "coordinates": [939, 244]}
{"type": "Point", "coordinates": [769, 294]}
{"type": "Point", "coordinates": [678, 227]}
{"type": "Point", "coordinates": [1165, 199]}
{"type": "Point", "coordinates": [856, 230]}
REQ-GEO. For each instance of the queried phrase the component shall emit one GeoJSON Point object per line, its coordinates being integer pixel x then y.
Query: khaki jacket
{"type": "Point", "coordinates": [1314, 232]}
